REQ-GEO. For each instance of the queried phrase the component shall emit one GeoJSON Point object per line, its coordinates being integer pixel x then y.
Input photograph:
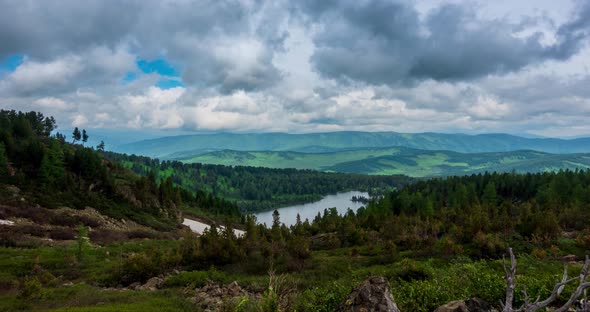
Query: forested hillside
{"type": "Point", "coordinates": [185, 146]}
{"type": "Point", "coordinates": [257, 188]}
{"type": "Point", "coordinates": [37, 169]}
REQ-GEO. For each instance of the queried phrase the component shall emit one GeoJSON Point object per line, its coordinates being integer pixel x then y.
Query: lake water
{"type": "Point", "coordinates": [308, 211]}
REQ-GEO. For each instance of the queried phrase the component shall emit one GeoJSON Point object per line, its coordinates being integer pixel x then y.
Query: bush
{"type": "Point", "coordinates": [137, 268]}
{"type": "Point", "coordinates": [32, 288]}
{"type": "Point", "coordinates": [325, 299]}
{"type": "Point", "coordinates": [539, 253]}
{"type": "Point", "coordinates": [107, 237]}
{"type": "Point", "coordinates": [184, 279]}
{"type": "Point", "coordinates": [62, 233]}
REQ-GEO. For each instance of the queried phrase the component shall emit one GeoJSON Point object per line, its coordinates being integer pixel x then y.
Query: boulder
{"type": "Point", "coordinates": [372, 295]}
{"type": "Point", "coordinates": [234, 289]}
{"type": "Point", "coordinates": [212, 297]}
{"type": "Point", "coordinates": [152, 284]}
{"type": "Point", "coordinates": [469, 305]}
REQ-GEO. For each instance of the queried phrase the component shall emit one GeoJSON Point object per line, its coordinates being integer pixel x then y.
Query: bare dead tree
{"type": "Point", "coordinates": [509, 274]}
{"type": "Point", "coordinates": [583, 284]}
{"type": "Point", "coordinates": [536, 305]}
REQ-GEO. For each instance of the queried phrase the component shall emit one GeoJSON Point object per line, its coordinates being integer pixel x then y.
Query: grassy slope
{"type": "Point", "coordinates": [175, 147]}
{"type": "Point", "coordinates": [288, 159]}
{"type": "Point", "coordinates": [327, 278]}
{"type": "Point", "coordinates": [398, 160]}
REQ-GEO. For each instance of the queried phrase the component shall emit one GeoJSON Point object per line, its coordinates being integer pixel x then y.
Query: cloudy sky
{"type": "Point", "coordinates": [518, 67]}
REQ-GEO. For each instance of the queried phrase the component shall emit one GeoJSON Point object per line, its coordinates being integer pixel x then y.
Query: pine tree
{"type": "Point", "coordinates": [100, 146]}
{"type": "Point", "coordinates": [76, 135]}
{"type": "Point", "coordinates": [60, 137]}
{"type": "Point", "coordinates": [490, 197]}
{"type": "Point", "coordinates": [84, 136]}
{"type": "Point", "coordinates": [52, 170]}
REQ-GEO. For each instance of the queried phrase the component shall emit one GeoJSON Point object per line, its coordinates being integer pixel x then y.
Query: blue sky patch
{"type": "Point", "coordinates": [159, 66]}
{"type": "Point", "coordinates": [10, 63]}
{"type": "Point", "coordinates": [169, 84]}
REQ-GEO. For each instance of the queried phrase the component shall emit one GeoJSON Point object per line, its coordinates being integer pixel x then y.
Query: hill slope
{"type": "Point", "coordinates": [401, 160]}
{"type": "Point", "coordinates": [43, 171]}
{"type": "Point", "coordinates": [177, 147]}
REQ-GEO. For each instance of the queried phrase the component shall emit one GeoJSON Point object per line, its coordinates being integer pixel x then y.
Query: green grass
{"type": "Point", "coordinates": [398, 160]}
{"type": "Point", "coordinates": [83, 297]}
{"type": "Point", "coordinates": [287, 159]}
{"type": "Point", "coordinates": [417, 283]}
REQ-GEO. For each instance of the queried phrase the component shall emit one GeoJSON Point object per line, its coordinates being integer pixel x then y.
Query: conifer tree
{"type": "Point", "coordinates": [76, 135]}
{"type": "Point", "coordinates": [84, 136]}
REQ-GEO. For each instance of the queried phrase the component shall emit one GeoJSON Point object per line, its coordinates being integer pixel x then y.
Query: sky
{"type": "Point", "coordinates": [519, 67]}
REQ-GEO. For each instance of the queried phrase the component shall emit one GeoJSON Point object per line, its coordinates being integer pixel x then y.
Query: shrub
{"type": "Point", "coordinates": [141, 233]}
{"type": "Point", "coordinates": [539, 253]}
{"type": "Point", "coordinates": [184, 279]}
{"type": "Point", "coordinates": [31, 289]}
{"type": "Point", "coordinates": [61, 233]}
{"type": "Point", "coordinates": [107, 237]}
{"type": "Point", "coordinates": [137, 267]}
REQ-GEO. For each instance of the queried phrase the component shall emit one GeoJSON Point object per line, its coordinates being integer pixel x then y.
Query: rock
{"type": "Point", "coordinates": [12, 189]}
{"type": "Point", "coordinates": [134, 286]}
{"type": "Point", "coordinates": [470, 305]}
{"type": "Point", "coordinates": [213, 297]}
{"type": "Point", "coordinates": [234, 289]}
{"type": "Point", "coordinates": [152, 284]}
{"type": "Point", "coordinates": [372, 295]}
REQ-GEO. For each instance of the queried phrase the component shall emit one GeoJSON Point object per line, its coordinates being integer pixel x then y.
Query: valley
{"type": "Point", "coordinates": [294, 156]}
{"type": "Point", "coordinates": [92, 230]}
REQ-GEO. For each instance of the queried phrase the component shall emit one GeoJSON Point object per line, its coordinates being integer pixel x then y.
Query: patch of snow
{"type": "Point", "coordinates": [6, 222]}
{"type": "Point", "coordinates": [200, 227]}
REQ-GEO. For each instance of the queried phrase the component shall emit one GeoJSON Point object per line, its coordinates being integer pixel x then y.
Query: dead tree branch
{"type": "Point", "coordinates": [557, 289]}
{"type": "Point", "coordinates": [580, 289]}
{"type": "Point", "coordinates": [509, 274]}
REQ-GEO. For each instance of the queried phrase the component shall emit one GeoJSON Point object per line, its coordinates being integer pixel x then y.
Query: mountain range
{"type": "Point", "coordinates": [174, 147]}
{"type": "Point", "coordinates": [418, 155]}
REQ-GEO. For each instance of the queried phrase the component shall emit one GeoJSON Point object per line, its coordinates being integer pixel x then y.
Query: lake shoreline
{"type": "Point", "coordinates": [341, 201]}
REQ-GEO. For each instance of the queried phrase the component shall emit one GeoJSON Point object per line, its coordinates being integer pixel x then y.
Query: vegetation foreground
{"type": "Point", "coordinates": [81, 232]}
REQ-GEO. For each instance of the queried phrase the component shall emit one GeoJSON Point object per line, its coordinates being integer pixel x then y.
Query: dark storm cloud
{"type": "Point", "coordinates": [573, 34]}
{"type": "Point", "coordinates": [192, 34]}
{"type": "Point", "coordinates": [386, 42]}
{"type": "Point", "coordinates": [47, 29]}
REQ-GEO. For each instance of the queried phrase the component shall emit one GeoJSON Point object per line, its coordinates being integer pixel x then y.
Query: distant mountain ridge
{"type": "Point", "coordinates": [183, 146]}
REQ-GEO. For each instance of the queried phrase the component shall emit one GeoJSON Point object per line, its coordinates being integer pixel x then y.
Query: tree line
{"type": "Point", "coordinates": [257, 188]}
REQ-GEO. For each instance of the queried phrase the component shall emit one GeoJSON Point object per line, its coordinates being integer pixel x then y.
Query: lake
{"type": "Point", "coordinates": [308, 211]}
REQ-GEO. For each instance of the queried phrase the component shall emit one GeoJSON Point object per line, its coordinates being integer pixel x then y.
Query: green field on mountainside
{"type": "Point", "coordinates": [400, 160]}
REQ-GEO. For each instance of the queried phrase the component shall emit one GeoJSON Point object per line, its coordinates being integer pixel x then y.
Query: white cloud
{"type": "Point", "coordinates": [488, 108]}
{"type": "Point", "coordinates": [79, 120]}
{"type": "Point", "coordinates": [156, 108]}
{"type": "Point", "coordinates": [53, 103]}
{"type": "Point", "coordinates": [32, 75]}
{"type": "Point", "coordinates": [242, 73]}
